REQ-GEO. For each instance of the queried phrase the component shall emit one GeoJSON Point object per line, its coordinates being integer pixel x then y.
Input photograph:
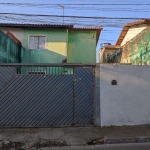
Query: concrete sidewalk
{"type": "Point", "coordinates": [28, 138]}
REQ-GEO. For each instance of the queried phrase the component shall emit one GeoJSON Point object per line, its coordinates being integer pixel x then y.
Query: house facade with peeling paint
{"type": "Point", "coordinates": [134, 40]}
{"type": "Point", "coordinates": [55, 43]}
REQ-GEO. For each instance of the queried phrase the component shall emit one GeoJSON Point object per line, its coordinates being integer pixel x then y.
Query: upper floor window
{"type": "Point", "coordinates": [37, 42]}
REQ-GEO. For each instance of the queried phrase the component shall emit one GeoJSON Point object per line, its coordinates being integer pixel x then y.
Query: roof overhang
{"type": "Point", "coordinates": [13, 25]}
{"type": "Point", "coordinates": [14, 38]}
{"type": "Point", "coordinates": [109, 47]}
{"type": "Point", "coordinates": [112, 46]}
{"type": "Point", "coordinates": [49, 26]}
{"type": "Point", "coordinates": [128, 26]}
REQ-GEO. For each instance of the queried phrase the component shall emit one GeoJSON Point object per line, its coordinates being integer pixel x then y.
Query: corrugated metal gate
{"type": "Point", "coordinates": [46, 95]}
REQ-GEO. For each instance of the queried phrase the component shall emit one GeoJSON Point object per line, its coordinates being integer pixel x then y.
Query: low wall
{"type": "Point", "coordinates": [128, 102]}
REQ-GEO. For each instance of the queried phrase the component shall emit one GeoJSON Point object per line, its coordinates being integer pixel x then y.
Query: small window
{"type": "Point", "coordinates": [37, 42]}
{"type": "Point", "coordinates": [114, 82]}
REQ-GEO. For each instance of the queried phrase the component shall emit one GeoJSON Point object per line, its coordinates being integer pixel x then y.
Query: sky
{"type": "Point", "coordinates": [111, 15]}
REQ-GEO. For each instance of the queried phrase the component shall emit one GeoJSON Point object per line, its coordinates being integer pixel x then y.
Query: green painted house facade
{"type": "Point", "coordinates": [134, 42]}
{"type": "Point", "coordinates": [54, 43]}
{"type": "Point", "coordinates": [10, 51]}
{"type": "Point", "coordinates": [135, 52]}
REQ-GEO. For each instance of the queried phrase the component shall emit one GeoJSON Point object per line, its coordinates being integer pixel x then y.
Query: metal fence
{"type": "Point", "coordinates": [41, 95]}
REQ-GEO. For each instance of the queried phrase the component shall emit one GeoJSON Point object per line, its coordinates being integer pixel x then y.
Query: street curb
{"type": "Point", "coordinates": [127, 140]}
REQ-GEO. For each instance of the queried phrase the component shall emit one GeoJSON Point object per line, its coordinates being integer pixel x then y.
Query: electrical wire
{"type": "Point", "coordinates": [82, 21]}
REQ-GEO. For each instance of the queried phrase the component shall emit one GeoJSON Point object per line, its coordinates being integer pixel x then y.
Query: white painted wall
{"type": "Point", "coordinates": [17, 32]}
{"type": "Point", "coordinates": [132, 32]}
{"type": "Point", "coordinates": [127, 103]}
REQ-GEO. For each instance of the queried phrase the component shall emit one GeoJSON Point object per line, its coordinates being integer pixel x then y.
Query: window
{"type": "Point", "coordinates": [37, 42]}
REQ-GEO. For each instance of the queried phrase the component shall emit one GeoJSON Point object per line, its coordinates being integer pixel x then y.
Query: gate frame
{"type": "Point", "coordinates": [96, 72]}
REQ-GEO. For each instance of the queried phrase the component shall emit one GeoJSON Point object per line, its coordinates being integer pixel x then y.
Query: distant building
{"type": "Point", "coordinates": [106, 51]}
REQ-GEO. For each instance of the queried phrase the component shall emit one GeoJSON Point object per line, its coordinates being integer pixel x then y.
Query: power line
{"type": "Point", "coordinates": [86, 17]}
{"type": "Point", "coordinates": [74, 4]}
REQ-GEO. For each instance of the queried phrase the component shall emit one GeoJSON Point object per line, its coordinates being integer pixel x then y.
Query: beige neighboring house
{"type": "Point", "coordinates": [134, 41]}
{"type": "Point", "coordinates": [106, 51]}
{"type": "Point", "coordinates": [131, 30]}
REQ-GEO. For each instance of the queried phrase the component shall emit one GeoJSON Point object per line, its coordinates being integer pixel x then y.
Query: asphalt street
{"type": "Point", "coordinates": [137, 146]}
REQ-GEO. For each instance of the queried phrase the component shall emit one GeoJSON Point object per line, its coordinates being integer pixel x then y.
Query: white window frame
{"type": "Point", "coordinates": [38, 35]}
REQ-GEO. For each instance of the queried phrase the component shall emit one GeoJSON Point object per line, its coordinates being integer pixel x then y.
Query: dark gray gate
{"type": "Point", "coordinates": [46, 95]}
